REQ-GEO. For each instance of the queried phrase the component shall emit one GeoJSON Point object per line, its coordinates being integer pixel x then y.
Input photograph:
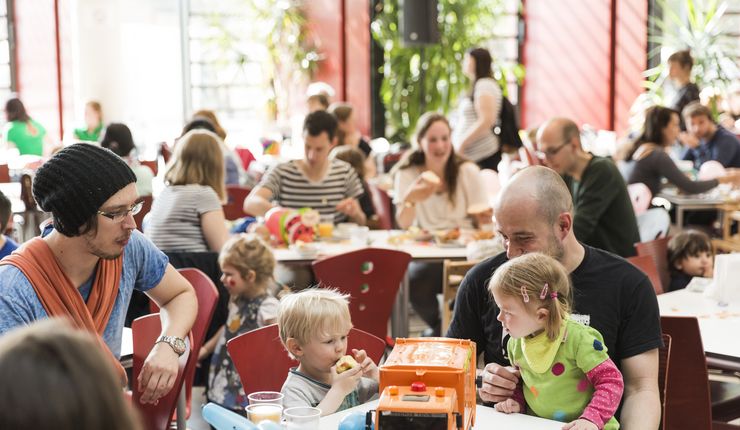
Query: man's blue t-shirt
{"type": "Point", "coordinates": [8, 247]}
{"type": "Point", "coordinates": [143, 268]}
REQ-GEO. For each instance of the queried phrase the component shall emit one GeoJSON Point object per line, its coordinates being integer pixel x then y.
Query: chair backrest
{"type": "Point", "coordinates": [647, 265]}
{"type": "Point", "coordinates": [153, 165]}
{"type": "Point", "coordinates": [165, 151]}
{"type": "Point", "coordinates": [145, 331]}
{"type": "Point", "coordinates": [4, 173]}
{"type": "Point", "coordinates": [658, 250]}
{"type": "Point", "coordinates": [653, 224]}
{"type": "Point", "coordinates": [234, 207]}
{"type": "Point", "coordinates": [139, 217]}
{"type": "Point", "coordinates": [452, 274]}
{"type": "Point", "coordinates": [664, 356]}
{"type": "Point", "coordinates": [383, 206]}
{"type": "Point", "coordinates": [640, 196]}
{"type": "Point", "coordinates": [371, 277]}
{"type": "Point", "coordinates": [263, 363]}
{"type": "Point", "coordinates": [687, 400]}
{"type": "Point", "coordinates": [207, 296]}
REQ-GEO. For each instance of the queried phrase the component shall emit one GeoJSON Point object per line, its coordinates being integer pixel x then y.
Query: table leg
{"type": "Point", "coordinates": [182, 406]}
{"type": "Point", "coordinates": [679, 216]}
{"type": "Point", "coordinates": [400, 315]}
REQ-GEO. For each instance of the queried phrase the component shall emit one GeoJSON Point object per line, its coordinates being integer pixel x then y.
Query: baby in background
{"type": "Point", "coordinates": [314, 325]}
{"type": "Point", "coordinates": [247, 265]}
{"type": "Point", "coordinates": [690, 254]}
{"type": "Point", "coordinates": [565, 371]}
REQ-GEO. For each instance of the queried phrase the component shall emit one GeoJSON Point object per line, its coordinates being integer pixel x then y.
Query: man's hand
{"type": "Point", "coordinates": [688, 139]}
{"type": "Point", "coordinates": [158, 373]}
{"type": "Point", "coordinates": [498, 382]}
{"type": "Point", "coordinates": [580, 424]}
{"type": "Point", "coordinates": [509, 406]}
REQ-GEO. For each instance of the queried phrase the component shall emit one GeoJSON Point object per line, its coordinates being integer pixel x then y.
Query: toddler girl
{"type": "Point", "coordinates": [247, 266]}
{"type": "Point", "coordinates": [690, 254]}
{"type": "Point", "coordinates": [566, 373]}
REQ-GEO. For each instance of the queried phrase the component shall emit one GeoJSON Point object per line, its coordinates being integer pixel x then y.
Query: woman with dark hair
{"type": "Point", "coordinates": [477, 113]}
{"type": "Point", "coordinates": [436, 189]}
{"type": "Point", "coordinates": [647, 161]}
{"type": "Point", "coordinates": [117, 137]}
{"type": "Point", "coordinates": [23, 131]}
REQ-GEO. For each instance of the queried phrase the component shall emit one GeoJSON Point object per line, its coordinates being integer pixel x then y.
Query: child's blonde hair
{"type": "Point", "coordinates": [311, 313]}
{"type": "Point", "coordinates": [541, 282]}
{"type": "Point", "coordinates": [247, 252]}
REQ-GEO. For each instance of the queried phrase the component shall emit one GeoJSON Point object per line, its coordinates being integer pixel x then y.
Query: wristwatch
{"type": "Point", "coordinates": [177, 343]}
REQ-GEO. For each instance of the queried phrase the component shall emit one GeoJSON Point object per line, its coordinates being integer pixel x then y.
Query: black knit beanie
{"type": "Point", "coordinates": [76, 181]}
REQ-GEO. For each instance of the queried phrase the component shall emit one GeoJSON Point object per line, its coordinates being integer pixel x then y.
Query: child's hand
{"type": "Point", "coordinates": [369, 368]}
{"type": "Point", "coordinates": [580, 424]}
{"type": "Point", "coordinates": [508, 406]}
{"type": "Point", "coordinates": [346, 381]}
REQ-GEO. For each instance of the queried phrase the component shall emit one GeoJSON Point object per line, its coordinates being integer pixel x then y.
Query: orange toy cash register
{"type": "Point", "coordinates": [429, 384]}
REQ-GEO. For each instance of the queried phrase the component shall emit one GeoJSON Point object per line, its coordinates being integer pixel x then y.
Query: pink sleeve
{"type": "Point", "coordinates": [608, 388]}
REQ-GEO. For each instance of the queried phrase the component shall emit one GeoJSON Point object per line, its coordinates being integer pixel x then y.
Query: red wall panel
{"type": "Point", "coordinates": [631, 57]}
{"type": "Point", "coordinates": [567, 56]}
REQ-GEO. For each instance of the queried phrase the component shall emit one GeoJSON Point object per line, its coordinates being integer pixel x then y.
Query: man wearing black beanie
{"type": "Point", "coordinates": [90, 259]}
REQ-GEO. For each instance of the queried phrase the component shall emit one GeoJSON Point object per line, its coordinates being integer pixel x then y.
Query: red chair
{"type": "Point", "coordinates": [4, 173]}
{"type": "Point", "coordinates": [664, 356]}
{"type": "Point", "coordinates": [139, 217]}
{"type": "Point", "coordinates": [383, 206]}
{"type": "Point", "coordinates": [207, 295]}
{"type": "Point", "coordinates": [647, 265]}
{"type": "Point", "coordinates": [658, 250]}
{"type": "Point", "coordinates": [145, 331]}
{"type": "Point", "coordinates": [165, 151]}
{"type": "Point", "coordinates": [234, 207]}
{"type": "Point", "coordinates": [263, 363]}
{"type": "Point", "coordinates": [371, 277]}
{"type": "Point", "coordinates": [153, 165]}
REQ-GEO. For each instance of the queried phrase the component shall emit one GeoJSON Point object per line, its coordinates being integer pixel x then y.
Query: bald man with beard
{"type": "Point", "coordinates": [534, 213]}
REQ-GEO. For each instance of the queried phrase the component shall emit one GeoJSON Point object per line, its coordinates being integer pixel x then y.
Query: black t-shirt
{"type": "Point", "coordinates": [610, 295]}
{"type": "Point", "coordinates": [365, 147]}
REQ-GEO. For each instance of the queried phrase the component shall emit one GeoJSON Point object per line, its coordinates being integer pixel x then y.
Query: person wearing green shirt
{"type": "Point", "coordinates": [603, 213]}
{"type": "Point", "coordinates": [93, 123]}
{"type": "Point", "coordinates": [22, 131]}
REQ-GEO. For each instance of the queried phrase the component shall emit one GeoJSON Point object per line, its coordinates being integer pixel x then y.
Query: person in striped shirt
{"type": "Point", "coordinates": [329, 186]}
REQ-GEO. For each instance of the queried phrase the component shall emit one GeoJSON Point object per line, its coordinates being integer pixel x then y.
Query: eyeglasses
{"type": "Point", "coordinates": [551, 152]}
{"type": "Point", "coordinates": [119, 216]}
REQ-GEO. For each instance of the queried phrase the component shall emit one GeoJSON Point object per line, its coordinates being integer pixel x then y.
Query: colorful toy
{"type": "Point", "coordinates": [288, 226]}
{"type": "Point", "coordinates": [270, 146]}
{"type": "Point", "coordinates": [428, 383]}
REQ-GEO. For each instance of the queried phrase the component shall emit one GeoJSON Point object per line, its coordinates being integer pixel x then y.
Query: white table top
{"type": "Point", "coordinates": [718, 324]}
{"type": "Point", "coordinates": [485, 418]}
{"type": "Point", "coordinates": [709, 198]}
{"type": "Point", "coordinates": [127, 343]}
{"type": "Point", "coordinates": [378, 239]}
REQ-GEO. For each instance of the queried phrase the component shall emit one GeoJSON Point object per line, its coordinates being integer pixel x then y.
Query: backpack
{"type": "Point", "coordinates": [506, 127]}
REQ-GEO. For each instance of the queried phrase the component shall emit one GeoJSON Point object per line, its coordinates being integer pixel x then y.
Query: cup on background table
{"type": "Point", "coordinates": [264, 412]}
{"type": "Point", "coordinates": [262, 397]}
{"type": "Point", "coordinates": [326, 226]}
{"type": "Point", "coordinates": [359, 235]}
{"type": "Point", "coordinates": [302, 418]}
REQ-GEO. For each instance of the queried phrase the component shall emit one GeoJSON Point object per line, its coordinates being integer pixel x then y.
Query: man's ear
{"type": "Point", "coordinates": [565, 224]}
{"type": "Point", "coordinates": [293, 347]}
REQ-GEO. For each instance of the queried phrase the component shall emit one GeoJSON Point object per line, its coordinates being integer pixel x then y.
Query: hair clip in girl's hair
{"type": "Point", "coordinates": [525, 296]}
{"type": "Point", "coordinates": [543, 293]}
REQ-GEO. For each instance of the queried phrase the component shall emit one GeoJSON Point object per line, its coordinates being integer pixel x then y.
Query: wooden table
{"type": "Point", "coordinates": [427, 252]}
{"type": "Point", "coordinates": [719, 325]}
{"type": "Point", "coordinates": [485, 418]}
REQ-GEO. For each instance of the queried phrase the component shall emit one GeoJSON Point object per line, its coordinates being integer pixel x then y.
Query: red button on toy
{"type": "Point", "coordinates": [418, 387]}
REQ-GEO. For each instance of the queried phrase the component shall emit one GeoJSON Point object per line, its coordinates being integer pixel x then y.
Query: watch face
{"type": "Point", "coordinates": [179, 345]}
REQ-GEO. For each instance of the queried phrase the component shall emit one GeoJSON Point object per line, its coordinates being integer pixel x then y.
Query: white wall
{"type": "Point", "coordinates": [127, 55]}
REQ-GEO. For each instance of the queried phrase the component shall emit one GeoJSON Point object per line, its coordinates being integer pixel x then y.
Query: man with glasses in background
{"type": "Point", "coordinates": [603, 213]}
{"type": "Point", "coordinates": [90, 258]}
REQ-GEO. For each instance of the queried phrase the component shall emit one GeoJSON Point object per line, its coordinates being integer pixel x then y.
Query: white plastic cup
{"type": "Point", "coordinates": [302, 418]}
{"type": "Point", "coordinates": [264, 412]}
{"type": "Point", "coordinates": [360, 235]}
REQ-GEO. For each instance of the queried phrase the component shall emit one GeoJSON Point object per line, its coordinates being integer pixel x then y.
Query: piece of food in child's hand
{"type": "Point", "coordinates": [345, 363]}
{"type": "Point", "coordinates": [431, 177]}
